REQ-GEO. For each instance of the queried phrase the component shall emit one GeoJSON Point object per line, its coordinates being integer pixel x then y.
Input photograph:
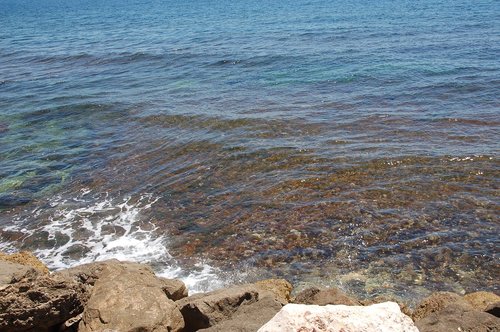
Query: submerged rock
{"type": "Point", "coordinates": [317, 296]}
{"type": "Point", "coordinates": [15, 199]}
{"type": "Point", "coordinates": [329, 318]}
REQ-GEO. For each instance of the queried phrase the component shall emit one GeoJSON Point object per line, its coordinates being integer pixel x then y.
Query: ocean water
{"type": "Point", "coordinates": [343, 143]}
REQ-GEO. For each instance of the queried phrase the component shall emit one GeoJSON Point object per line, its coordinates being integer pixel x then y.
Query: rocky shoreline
{"type": "Point", "coordinates": [125, 296]}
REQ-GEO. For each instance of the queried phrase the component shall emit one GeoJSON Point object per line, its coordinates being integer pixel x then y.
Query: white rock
{"type": "Point", "coordinates": [384, 317]}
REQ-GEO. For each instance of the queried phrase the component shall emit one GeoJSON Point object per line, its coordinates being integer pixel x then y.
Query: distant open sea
{"type": "Point", "coordinates": [345, 143]}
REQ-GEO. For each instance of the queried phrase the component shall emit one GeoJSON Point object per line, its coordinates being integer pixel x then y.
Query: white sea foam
{"type": "Point", "coordinates": [89, 228]}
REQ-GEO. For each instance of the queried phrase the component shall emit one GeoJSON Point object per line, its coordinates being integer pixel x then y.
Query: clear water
{"type": "Point", "coordinates": [337, 142]}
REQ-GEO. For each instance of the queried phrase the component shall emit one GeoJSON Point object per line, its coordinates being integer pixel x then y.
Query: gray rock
{"type": "Point", "coordinates": [127, 297]}
{"type": "Point", "coordinates": [457, 317]}
{"type": "Point", "coordinates": [37, 302]}
{"type": "Point", "coordinates": [317, 296]}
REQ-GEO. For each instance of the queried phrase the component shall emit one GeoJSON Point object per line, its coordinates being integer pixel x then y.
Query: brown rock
{"type": "Point", "coordinates": [38, 302]}
{"type": "Point", "coordinates": [71, 325]}
{"type": "Point", "coordinates": [201, 311]}
{"type": "Point", "coordinates": [317, 296]}
{"type": "Point", "coordinates": [436, 302]}
{"type": "Point", "coordinates": [12, 272]}
{"type": "Point", "coordinates": [249, 318]}
{"type": "Point", "coordinates": [127, 297]}
{"type": "Point", "coordinates": [88, 274]}
{"type": "Point", "coordinates": [456, 317]}
{"type": "Point", "coordinates": [173, 288]}
{"type": "Point", "coordinates": [238, 308]}
{"type": "Point", "coordinates": [493, 309]}
{"type": "Point", "coordinates": [481, 300]}
{"type": "Point", "coordinates": [279, 288]}
{"type": "Point", "coordinates": [25, 258]}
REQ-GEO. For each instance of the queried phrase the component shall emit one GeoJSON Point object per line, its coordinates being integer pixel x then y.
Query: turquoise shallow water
{"type": "Point", "coordinates": [346, 143]}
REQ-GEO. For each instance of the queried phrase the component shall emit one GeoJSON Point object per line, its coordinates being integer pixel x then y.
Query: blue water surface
{"type": "Point", "coordinates": [218, 108]}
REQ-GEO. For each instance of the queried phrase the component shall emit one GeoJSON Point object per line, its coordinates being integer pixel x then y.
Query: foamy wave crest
{"type": "Point", "coordinates": [92, 228]}
{"type": "Point", "coordinates": [87, 230]}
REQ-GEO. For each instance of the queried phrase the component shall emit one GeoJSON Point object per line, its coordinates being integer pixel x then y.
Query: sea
{"type": "Point", "coordinates": [339, 143]}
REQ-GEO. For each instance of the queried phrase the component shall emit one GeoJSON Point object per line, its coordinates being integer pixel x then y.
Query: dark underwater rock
{"type": "Point", "coordinates": [13, 199]}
